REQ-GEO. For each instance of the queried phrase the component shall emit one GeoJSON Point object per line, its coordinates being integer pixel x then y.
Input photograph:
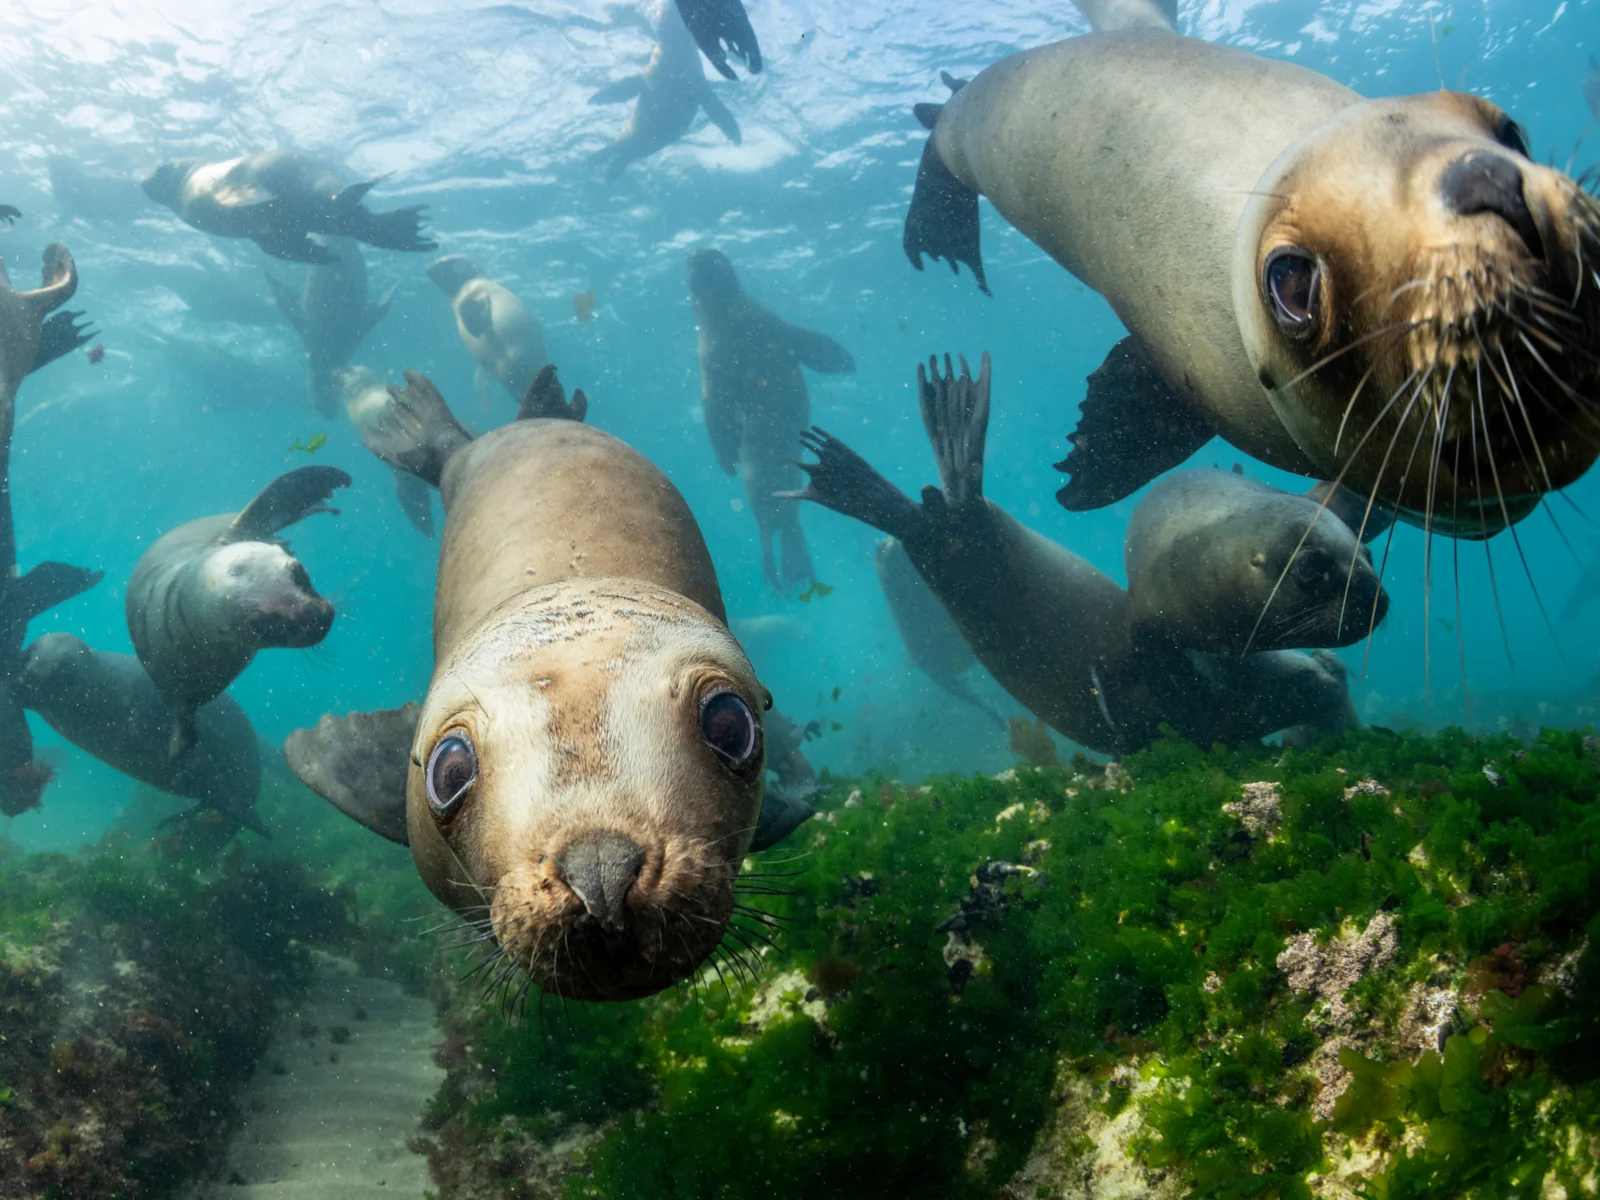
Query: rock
{"type": "Point", "coordinates": [1260, 810]}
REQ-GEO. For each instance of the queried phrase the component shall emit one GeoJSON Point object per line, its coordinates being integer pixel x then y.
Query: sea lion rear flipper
{"type": "Point", "coordinates": [400, 229]}
{"type": "Point", "coordinates": [842, 480]}
{"type": "Point", "coordinates": [782, 812]}
{"type": "Point", "coordinates": [294, 245]}
{"type": "Point", "coordinates": [720, 116]}
{"type": "Point", "coordinates": [1367, 520]}
{"type": "Point", "coordinates": [546, 399]}
{"type": "Point", "coordinates": [47, 585]}
{"type": "Point", "coordinates": [288, 301]}
{"type": "Point", "coordinates": [290, 498]}
{"type": "Point", "coordinates": [415, 501]}
{"type": "Point", "coordinates": [715, 23]}
{"type": "Point", "coordinates": [377, 312]}
{"type": "Point", "coordinates": [819, 351]}
{"type": "Point", "coordinates": [620, 91]}
{"type": "Point", "coordinates": [955, 413]}
{"type": "Point", "coordinates": [416, 431]}
{"type": "Point", "coordinates": [60, 335]}
{"type": "Point", "coordinates": [359, 763]}
{"type": "Point", "coordinates": [1132, 428]}
{"type": "Point", "coordinates": [58, 281]}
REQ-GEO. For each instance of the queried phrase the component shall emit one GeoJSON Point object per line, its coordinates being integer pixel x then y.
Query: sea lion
{"type": "Point", "coordinates": [30, 338]}
{"type": "Point", "coordinates": [672, 89]}
{"type": "Point", "coordinates": [1222, 563]}
{"type": "Point", "coordinates": [721, 27]}
{"type": "Point", "coordinates": [586, 773]}
{"type": "Point", "coordinates": [10, 214]}
{"type": "Point", "coordinates": [331, 315]}
{"type": "Point", "coordinates": [1054, 631]}
{"type": "Point", "coordinates": [106, 705]}
{"type": "Point", "coordinates": [497, 329]}
{"type": "Point", "coordinates": [932, 641]}
{"type": "Point", "coordinates": [366, 400]}
{"type": "Point", "coordinates": [1385, 293]}
{"type": "Point", "coordinates": [204, 598]}
{"type": "Point", "coordinates": [755, 401]}
{"type": "Point", "coordinates": [278, 199]}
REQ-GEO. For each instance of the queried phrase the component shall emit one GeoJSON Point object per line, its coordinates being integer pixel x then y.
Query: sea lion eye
{"type": "Point", "coordinates": [729, 727]}
{"type": "Point", "coordinates": [1308, 567]}
{"type": "Point", "coordinates": [452, 770]}
{"type": "Point", "coordinates": [1512, 136]}
{"type": "Point", "coordinates": [1293, 283]}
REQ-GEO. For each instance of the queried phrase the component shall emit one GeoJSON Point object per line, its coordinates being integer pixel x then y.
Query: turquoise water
{"type": "Point", "coordinates": [481, 113]}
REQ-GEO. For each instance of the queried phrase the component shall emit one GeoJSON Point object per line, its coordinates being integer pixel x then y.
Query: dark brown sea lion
{"type": "Point", "coordinates": [331, 315]}
{"type": "Point", "coordinates": [720, 28]}
{"type": "Point", "coordinates": [586, 774]}
{"type": "Point", "coordinates": [1053, 630]}
{"type": "Point", "coordinates": [668, 95]}
{"type": "Point", "coordinates": [1385, 293]}
{"type": "Point", "coordinates": [106, 705]}
{"type": "Point", "coordinates": [756, 401]}
{"type": "Point", "coordinates": [206, 597]}
{"type": "Point", "coordinates": [278, 199]}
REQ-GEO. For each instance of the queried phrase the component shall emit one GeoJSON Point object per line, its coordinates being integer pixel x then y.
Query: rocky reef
{"type": "Point", "coordinates": [1364, 969]}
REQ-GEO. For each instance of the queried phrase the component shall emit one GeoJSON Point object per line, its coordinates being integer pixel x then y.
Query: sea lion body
{"type": "Point", "coordinates": [503, 337]}
{"type": "Point", "coordinates": [670, 92]}
{"type": "Point", "coordinates": [107, 706]}
{"type": "Point", "coordinates": [331, 315]}
{"type": "Point", "coordinates": [278, 199]}
{"type": "Point", "coordinates": [1319, 278]}
{"type": "Point", "coordinates": [1225, 564]}
{"type": "Point", "coordinates": [755, 401]}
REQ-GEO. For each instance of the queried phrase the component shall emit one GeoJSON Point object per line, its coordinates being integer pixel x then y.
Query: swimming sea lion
{"type": "Point", "coordinates": [204, 598]}
{"type": "Point", "coordinates": [366, 401]}
{"type": "Point", "coordinates": [331, 315]}
{"type": "Point", "coordinates": [672, 89]}
{"type": "Point", "coordinates": [278, 199]}
{"type": "Point", "coordinates": [755, 401]}
{"type": "Point", "coordinates": [932, 641]}
{"type": "Point", "coordinates": [1385, 293]}
{"type": "Point", "coordinates": [10, 214]}
{"type": "Point", "coordinates": [586, 773]}
{"type": "Point", "coordinates": [1226, 564]}
{"type": "Point", "coordinates": [106, 705]}
{"type": "Point", "coordinates": [716, 24]}
{"type": "Point", "coordinates": [29, 339]}
{"type": "Point", "coordinates": [1054, 631]}
{"type": "Point", "coordinates": [496, 328]}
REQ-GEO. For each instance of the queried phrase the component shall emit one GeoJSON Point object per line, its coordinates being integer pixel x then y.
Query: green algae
{"type": "Point", "coordinates": [889, 1049]}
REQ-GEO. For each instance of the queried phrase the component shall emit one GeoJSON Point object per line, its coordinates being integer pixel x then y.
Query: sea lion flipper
{"type": "Point", "coordinates": [782, 812]}
{"type": "Point", "coordinates": [290, 498]}
{"type": "Point", "coordinates": [1132, 428]}
{"type": "Point", "coordinates": [10, 214]}
{"type": "Point", "coordinates": [47, 585]}
{"type": "Point", "coordinates": [943, 219]}
{"type": "Point", "coordinates": [619, 92]}
{"type": "Point", "coordinates": [288, 301]}
{"type": "Point", "coordinates": [546, 399]}
{"type": "Point", "coordinates": [819, 351]}
{"type": "Point", "coordinates": [720, 116]}
{"type": "Point", "coordinates": [416, 432]}
{"type": "Point", "coordinates": [842, 480]}
{"type": "Point", "coordinates": [415, 501]}
{"type": "Point", "coordinates": [58, 281]}
{"type": "Point", "coordinates": [359, 763]}
{"type": "Point", "coordinates": [715, 23]}
{"type": "Point", "coordinates": [185, 733]}
{"type": "Point", "coordinates": [294, 245]}
{"type": "Point", "coordinates": [59, 336]}
{"type": "Point", "coordinates": [377, 312]}
{"type": "Point", "coordinates": [955, 413]}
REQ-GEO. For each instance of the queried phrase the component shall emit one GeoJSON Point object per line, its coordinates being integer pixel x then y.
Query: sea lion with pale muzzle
{"type": "Point", "coordinates": [586, 774]}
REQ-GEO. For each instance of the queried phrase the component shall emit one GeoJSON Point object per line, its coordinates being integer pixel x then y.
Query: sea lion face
{"type": "Point", "coordinates": [586, 776]}
{"type": "Point", "coordinates": [1416, 295]}
{"type": "Point", "coordinates": [453, 272]}
{"type": "Point", "coordinates": [165, 184]}
{"type": "Point", "coordinates": [1316, 585]}
{"type": "Point", "coordinates": [267, 593]}
{"type": "Point", "coordinates": [712, 281]}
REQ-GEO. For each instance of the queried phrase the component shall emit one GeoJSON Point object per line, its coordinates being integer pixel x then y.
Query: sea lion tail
{"type": "Point", "coordinates": [359, 763]}
{"type": "Point", "coordinates": [842, 480]}
{"type": "Point", "coordinates": [546, 399]}
{"type": "Point", "coordinates": [943, 219]}
{"type": "Point", "coordinates": [955, 412]}
{"type": "Point", "coordinates": [416, 432]}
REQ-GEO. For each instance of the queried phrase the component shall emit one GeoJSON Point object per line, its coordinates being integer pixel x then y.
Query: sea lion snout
{"type": "Point", "coordinates": [1482, 181]}
{"type": "Point", "coordinates": [600, 868]}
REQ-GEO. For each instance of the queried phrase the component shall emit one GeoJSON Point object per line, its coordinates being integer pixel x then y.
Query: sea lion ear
{"type": "Point", "coordinates": [359, 763]}
{"type": "Point", "coordinates": [289, 498]}
{"type": "Point", "coordinates": [782, 812]}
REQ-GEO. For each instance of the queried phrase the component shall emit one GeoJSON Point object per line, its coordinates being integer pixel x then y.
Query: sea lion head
{"type": "Point", "coordinates": [453, 272]}
{"type": "Point", "coordinates": [164, 185]}
{"type": "Point", "coordinates": [586, 777]}
{"type": "Point", "coordinates": [712, 282]}
{"type": "Point", "coordinates": [1418, 298]}
{"type": "Point", "coordinates": [267, 594]}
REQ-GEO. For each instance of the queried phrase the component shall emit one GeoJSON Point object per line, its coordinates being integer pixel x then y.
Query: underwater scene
{"type": "Point", "coordinates": [788, 598]}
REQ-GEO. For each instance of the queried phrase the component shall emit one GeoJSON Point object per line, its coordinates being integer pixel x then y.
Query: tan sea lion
{"type": "Point", "coordinates": [278, 199]}
{"type": "Point", "coordinates": [1222, 563]}
{"type": "Point", "coordinates": [1054, 631]}
{"type": "Point", "coordinates": [585, 775]}
{"type": "Point", "coordinates": [720, 28]}
{"type": "Point", "coordinates": [755, 402]}
{"type": "Point", "coordinates": [1385, 293]}
{"type": "Point", "coordinates": [331, 315]}
{"type": "Point", "coordinates": [366, 401]}
{"type": "Point", "coordinates": [503, 337]}
{"type": "Point", "coordinates": [672, 89]}
{"type": "Point", "coordinates": [206, 597]}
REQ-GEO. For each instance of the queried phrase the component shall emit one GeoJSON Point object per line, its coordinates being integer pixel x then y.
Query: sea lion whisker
{"type": "Point", "coordinates": [745, 941]}
{"type": "Point", "coordinates": [1398, 327]}
{"type": "Point", "coordinates": [1442, 418]}
{"type": "Point", "coordinates": [755, 933]}
{"type": "Point", "coordinates": [493, 956]}
{"type": "Point", "coordinates": [1560, 532]}
{"type": "Point", "coordinates": [1455, 572]}
{"type": "Point", "coordinates": [1515, 392]}
{"type": "Point", "coordinates": [1488, 554]}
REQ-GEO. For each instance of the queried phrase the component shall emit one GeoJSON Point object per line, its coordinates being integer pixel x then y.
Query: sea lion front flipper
{"type": "Point", "coordinates": [1131, 428]}
{"type": "Point", "coordinates": [819, 351]}
{"type": "Point", "coordinates": [59, 336]}
{"type": "Point", "coordinates": [288, 499]}
{"type": "Point", "coordinates": [782, 812]}
{"type": "Point", "coordinates": [294, 245]}
{"type": "Point", "coordinates": [842, 480]}
{"type": "Point", "coordinates": [955, 413]}
{"type": "Point", "coordinates": [720, 116]}
{"type": "Point", "coordinates": [416, 432]}
{"type": "Point", "coordinates": [546, 399]}
{"type": "Point", "coordinates": [47, 585]}
{"type": "Point", "coordinates": [185, 732]}
{"type": "Point", "coordinates": [288, 301]}
{"type": "Point", "coordinates": [58, 281]}
{"type": "Point", "coordinates": [359, 763]}
{"type": "Point", "coordinates": [415, 501]}
{"type": "Point", "coordinates": [619, 92]}
{"type": "Point", "coordinates": [942, 221]}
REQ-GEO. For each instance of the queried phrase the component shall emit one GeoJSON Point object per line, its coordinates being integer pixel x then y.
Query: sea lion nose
{"type": "Point", "coordinates": [600, 868]}
{"type": "Point", "coordinates": [1484, 182]}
